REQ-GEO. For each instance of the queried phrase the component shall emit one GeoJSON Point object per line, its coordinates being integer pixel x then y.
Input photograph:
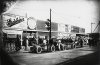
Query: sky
{"type": "Point", "coordinates": [79, 13]}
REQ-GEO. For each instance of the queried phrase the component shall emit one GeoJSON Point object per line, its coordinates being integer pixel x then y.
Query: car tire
{"type": "Point", "coordinates": [52, 48]}
{"type": "Point", "coordinates": [38, 50]}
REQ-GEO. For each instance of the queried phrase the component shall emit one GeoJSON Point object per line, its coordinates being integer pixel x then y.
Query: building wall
{"type": "Point", "coordinates": [41, 25]}
{"type": "Point", "coordinates": [58, 29]}
{"type": "Point", "coordinates": [74, 29]}
{"type": "Point", "coordinates": [81, 30]}
{"type": "Point", "coordinates": [53, 34]}
{"type": "Point", "coordinates": [43, 31]}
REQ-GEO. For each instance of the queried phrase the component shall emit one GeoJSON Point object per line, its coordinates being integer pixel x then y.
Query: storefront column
{"type": "Point", "coordinates": [21, 39]}
{"type": "Point", "coordinates": [37, 37]}
{"type": "Point", "coordinates": [26, 47]}
{"type": "Point", "coordinates": [1, 33]}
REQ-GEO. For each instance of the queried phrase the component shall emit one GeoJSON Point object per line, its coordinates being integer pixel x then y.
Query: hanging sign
{"type": "Point", "coordinates": [31, 23]}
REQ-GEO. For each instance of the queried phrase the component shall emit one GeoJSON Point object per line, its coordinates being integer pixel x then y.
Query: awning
{"type": "Point", "coordinates": [12, 31]}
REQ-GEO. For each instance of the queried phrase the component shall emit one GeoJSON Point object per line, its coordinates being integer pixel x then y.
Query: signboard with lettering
{"type": "Point", "coordinates": [74, 29]}
{"type": "Point", "coordinates": [11, 36]}
{"type": "Point", "coordinates": [81, 30]}
{"type": "Point", "coordinates": [61, 27]}
{"type": "Point", "coordinates": [9, 21]}
{"type": "Point", "coordinates": [41, 25]}
{"type": "Point", "coordinates": [32, 23]}
{"type": "Point", "coordinates": [66, 28]}
{"type": "Point", "coordinates": [18, 22]}
{"type": "Point", "coordinates": [54, 26]}
{"type": "Point", "coordinates": [15, 21]}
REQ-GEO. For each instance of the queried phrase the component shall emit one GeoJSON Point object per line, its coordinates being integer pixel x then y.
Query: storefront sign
{"type": "Point", "coordinates": [11, 36]}
{"type": "Point", "coordinates": [15, 21]}
{"type": "Point", "coordinates": [41, 25]}
{"type": "Point", "coordinates": [61, 27]}
{"type": "Point", "coordinates": [31, 23]}
{"type": "Point", "coordinates": [12, 32]}
{"type": "Point", "coordinates": [74, 29]}
{"type": "Point", "coordinates": [81, 30]}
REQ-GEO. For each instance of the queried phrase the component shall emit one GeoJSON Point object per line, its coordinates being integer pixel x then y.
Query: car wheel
{"type": "Point", "coordinates": [52, 48]}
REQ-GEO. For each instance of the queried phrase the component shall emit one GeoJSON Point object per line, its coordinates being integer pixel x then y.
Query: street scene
{"type": "Point", "coordinates": [50, 33]}
{"type": "Point", "coordinates": [54, 58]}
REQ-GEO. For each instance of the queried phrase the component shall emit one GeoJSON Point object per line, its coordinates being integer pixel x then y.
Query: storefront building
{"type": "Point", "coordinates": [31, 27]}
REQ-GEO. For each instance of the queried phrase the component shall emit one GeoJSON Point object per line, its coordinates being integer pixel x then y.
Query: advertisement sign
{"type": "Point", "coordinates": [74, 29]}
{"type": "Point", "coordinates": [41, 25]}
{"type": "Point", "coordinates": [31, 23]}
{"type": "Point", "coordinates": [11, 36]}
{"type": "Point", "coordinates": [61, 27]}
{"type": "Point", "coordinates": [13, 21]}
{"type": "Point", "coordinates": [68, 28]}
{"type": "Point", "coordinates": [54, 26]}
{"type": "Point", "coordinates": [81, 30]}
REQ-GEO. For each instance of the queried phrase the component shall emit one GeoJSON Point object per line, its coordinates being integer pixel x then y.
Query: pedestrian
{"type": "Point", "coordinates": [80, 41]}
{"type": "Point", "coordinates": [40, 41]}
{"type": "Point", "coordinates": [18, 43]}
{"type": "Point", "coordinates": [44, 42]}
{"type": "Point", "coordinates": [59, 44]}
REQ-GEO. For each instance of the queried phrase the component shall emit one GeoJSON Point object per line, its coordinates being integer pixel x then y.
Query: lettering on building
{"type": "Point", "coordinates": [11, 22]}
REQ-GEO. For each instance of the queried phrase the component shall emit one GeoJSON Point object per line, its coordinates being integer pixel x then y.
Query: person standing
{"type": "Point", "coordinates": [18, 43]}
{"type": "Point", "coordinates": [80, 41]}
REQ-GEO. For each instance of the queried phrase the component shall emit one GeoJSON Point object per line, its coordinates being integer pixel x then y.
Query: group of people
{"type": "Point", "coordinates": [78, 40]}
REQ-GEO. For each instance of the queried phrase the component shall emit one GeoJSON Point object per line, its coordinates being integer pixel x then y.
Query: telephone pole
{"type": "Point", "coordinates": [50, 25]}
{"type": "Point", "coordinates": [98, 25]}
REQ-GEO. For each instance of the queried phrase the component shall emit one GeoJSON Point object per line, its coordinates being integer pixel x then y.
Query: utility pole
{"type": "Point", "coordinates": [50, 25]}
{"type": "Point", "coordinates": [91, 27]}
{"type": "Point", "coordinates": [98, 25]}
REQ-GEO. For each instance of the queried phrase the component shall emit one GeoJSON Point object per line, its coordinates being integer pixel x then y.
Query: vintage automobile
{"type": "Point", "coordinates": [68, 43]}
{"type": "Point", "coordinates": [43, 46]}
{"type": "Point", "coordinates": [50, 46]}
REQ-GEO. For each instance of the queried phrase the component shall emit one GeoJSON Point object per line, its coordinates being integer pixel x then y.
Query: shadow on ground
{"type": "Point", "coordinates": [90, 59]}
